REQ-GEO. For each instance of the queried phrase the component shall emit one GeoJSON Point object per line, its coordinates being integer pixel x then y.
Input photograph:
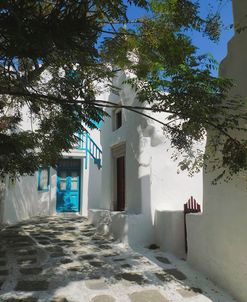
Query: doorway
{"type": "Point", "coordinates": [68, 185]}
{"type": "Point", "coordinates": [120, 173]}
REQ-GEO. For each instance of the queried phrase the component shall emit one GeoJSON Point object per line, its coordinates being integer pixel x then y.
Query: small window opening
{"type": "Point", "coordinates": [118, 117]}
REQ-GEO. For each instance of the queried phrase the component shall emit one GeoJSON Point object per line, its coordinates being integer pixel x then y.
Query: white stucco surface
{"type": "Point", "coordinates": [169, 230]}
{"type": "Point", "coordinates": [217, 238]}
{"type": "Point", "coordinates": [23, 200]}
{"type": "Point", "coordinates": [152, 181]}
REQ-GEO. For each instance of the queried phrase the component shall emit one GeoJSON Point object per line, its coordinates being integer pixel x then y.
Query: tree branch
{"type": "Point", "coordinates": [108, 104]}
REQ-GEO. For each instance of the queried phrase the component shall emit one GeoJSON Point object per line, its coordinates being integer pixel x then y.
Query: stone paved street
{"type": "Point", "coordinates": [63, 259]}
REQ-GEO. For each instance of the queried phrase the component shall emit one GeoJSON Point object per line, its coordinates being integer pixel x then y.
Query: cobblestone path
{"type": "Point", "coordinates": [61, 259]}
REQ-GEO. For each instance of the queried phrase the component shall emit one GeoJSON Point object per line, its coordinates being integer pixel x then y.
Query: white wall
{"type": "Point", "coordinates": [152, 182]}
{"type": "Point", "coordinates": [94, 185]}
{"type": "Point", "coordinates": [217, 238]}
{"type": "Point", "coordinates": [23, 200]}
{"type": "Point", "coordinates": [94, 176]}
{"type": "Point", "coordinates": [169, 230]}
{"type": "Point", "coordinates": [110, 139]}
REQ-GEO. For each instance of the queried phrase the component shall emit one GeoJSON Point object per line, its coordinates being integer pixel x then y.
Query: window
{"type": "Point", "coordinates": [117, 119]}
{"type": "Point", "coordinates": [43, 179]}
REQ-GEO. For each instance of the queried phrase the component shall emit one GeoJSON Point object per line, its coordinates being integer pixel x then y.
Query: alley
{"type": "Point", "coordinates": [64, 259]}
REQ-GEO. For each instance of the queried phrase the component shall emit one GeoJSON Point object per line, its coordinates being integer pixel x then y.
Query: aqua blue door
{"type": "Point", "coordinates": [68, 186]}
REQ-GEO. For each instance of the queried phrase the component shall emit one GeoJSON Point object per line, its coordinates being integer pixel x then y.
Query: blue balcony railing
{"type": "Point", "coordinates": [87, 144]}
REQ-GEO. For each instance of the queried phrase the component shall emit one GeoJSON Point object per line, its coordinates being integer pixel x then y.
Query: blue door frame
{"type": "Point", "coordinates": [68, 187]}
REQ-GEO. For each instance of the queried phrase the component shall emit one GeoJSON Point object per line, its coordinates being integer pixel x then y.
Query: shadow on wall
{"type": "Point", "coordinates": [23, 200]}
{"type": "Point", "coordinates": [140, 227]}
{"type": "Point", "coordinates": [94, 185]}
{"type": "Point", "coordinates": [217, 238]}
{"type": "Point", "coordinates": [140, 137]}
{"type": "Point", "coordinates": [169, 231]}
{"type": "Point", "coordinates": [112, 139]}
{"type": "Point", "coordinates": [136, 229]}
{"type": "Point", "coordinates": [171, 227]}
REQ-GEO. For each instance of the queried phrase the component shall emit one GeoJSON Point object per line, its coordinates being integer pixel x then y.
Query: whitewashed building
{"type": "Point", "coordinates": [72, 187]}
{"type": "Point", "coordinates": [140, 184]}
{"type": "Point", "coordinates": [137, 180]}
{"type": "Point", "coordinates": [217, 238]}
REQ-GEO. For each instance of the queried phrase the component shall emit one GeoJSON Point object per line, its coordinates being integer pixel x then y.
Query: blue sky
{"type": "Point", "coordinates": [219, 49]}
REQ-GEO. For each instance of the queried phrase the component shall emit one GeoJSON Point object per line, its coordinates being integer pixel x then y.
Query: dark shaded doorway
{"type": "Point", "coordinates": [120, 183]}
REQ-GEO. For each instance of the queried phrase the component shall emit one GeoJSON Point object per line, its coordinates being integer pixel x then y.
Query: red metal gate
{"type": "Point", "coordinates": [190, 207]}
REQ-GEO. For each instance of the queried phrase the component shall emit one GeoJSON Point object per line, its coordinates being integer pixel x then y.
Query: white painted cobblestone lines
{"type": "Point", "coordinates": [61, 259]}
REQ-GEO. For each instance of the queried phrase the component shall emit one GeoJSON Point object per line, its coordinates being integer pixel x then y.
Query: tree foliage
{"type": "Point", "coordinates": [174, 78]}
{"type": "Point", "coordinates": [53, 52]}
{"type": "Point", "coordinates": [49, 59]}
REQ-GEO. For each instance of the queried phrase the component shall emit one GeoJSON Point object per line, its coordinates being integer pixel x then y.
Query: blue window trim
{"type": "Point", "coordinates": [48, 180]}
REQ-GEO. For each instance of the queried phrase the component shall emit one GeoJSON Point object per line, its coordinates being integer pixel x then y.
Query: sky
{"type": "Point", "coordinates": [219, 49]}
